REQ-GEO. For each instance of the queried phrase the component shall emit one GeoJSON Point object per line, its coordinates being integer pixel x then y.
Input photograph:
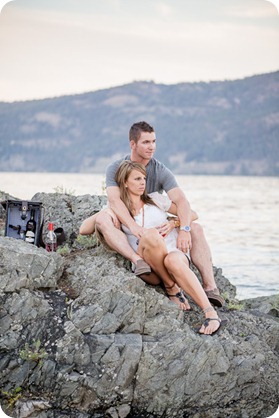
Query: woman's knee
{"type": "Point", "coordinates": [103, 221]}
{"type": "Point", "coordinates": [170, 261]}
{"type": "Point", "coordinates": [175, 261]}
{"type": "Point", "coordinates": [151, 238]}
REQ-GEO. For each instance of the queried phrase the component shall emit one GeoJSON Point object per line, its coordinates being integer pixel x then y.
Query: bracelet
{"type": "Point", "coordinates": [209, 309]}
{"type": "Point", "coordinates": [176, 221]}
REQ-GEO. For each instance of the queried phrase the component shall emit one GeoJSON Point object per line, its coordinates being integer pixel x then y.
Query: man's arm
{"type": "Point", "coordinates": [173, 211]}
{"type": "Point", "coordinates": [184, 214]}
{"type": "Point", "coordinates": [121, 211]}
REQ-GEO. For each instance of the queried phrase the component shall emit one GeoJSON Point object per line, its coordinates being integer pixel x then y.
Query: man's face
{"type": "Point", "coordinates": [145, 147]}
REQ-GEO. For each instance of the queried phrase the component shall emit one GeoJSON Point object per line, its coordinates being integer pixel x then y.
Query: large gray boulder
{"type": "Point", "coordinates": [26, 266]}
{"type": "Point", "coordinates": [68, 211]}
{"type": "Point", "coordinates": [82, 337]}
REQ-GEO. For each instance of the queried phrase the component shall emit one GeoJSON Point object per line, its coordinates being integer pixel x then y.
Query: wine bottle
{"type": "Point", "coordinates": [51, 239]}
{"type": "Point", "coordinates": [31, 228]}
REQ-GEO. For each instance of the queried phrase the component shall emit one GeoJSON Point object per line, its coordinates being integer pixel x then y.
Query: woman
{"type": "Point", "coordinates": [173, 291]}
{"type": "Point", "coordinates": [157, 249]}
{"type": "Point", "coordinates": [89, 227]}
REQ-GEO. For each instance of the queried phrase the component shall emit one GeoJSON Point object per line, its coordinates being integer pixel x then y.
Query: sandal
{"type": "Point", "coordinates": [215, 298]}
{"type": "Point", "coordinates": [185, 296]}
{"type": "Point", "coordinates": [206, 323]}
{"type": "Point", "coordinates": [179, 295]}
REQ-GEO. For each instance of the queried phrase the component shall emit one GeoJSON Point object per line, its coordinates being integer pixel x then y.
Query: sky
{"type": "Point", "coordinates": [50, 48]}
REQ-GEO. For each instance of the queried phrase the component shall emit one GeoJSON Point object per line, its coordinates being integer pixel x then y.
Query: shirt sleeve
{"type": "Point", "coordinates": [167, 179]}
{"type": "Point", "coordinates": [111, 172]}
{"type": "Point", "coordinates": [161, 200]}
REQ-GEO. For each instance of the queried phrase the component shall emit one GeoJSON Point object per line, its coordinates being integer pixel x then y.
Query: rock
{"type": "Point", "coordinates": [68, 211]}
{"type": "Point", "coordinates": [264, 305]}
{"type": "Point", "coordinates": [26, 266]}
{"type": "Point", "coordinates": [82, 337]}
{"type": "Point", "coordinates": [29, 408]}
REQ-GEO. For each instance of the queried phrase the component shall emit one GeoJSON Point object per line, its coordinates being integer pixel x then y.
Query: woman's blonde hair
{"type": "Point", "coordinates": [122, 174]}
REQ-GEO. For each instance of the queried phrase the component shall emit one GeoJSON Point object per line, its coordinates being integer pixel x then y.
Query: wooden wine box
{"type": "Point", "coordinates": [18, 214]}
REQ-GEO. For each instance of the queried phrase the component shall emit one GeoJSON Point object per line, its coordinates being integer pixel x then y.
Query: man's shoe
{"type": "Point", "coordinates": [142, 268]}
{"type": "Point", "coordinates": [215, 298]}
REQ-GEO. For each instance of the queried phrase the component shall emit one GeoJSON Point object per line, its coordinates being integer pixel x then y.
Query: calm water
{"type": "Point", "coordinates": [239, 216]}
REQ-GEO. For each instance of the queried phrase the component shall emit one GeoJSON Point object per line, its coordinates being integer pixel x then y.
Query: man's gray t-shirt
{"type": "Point", "coordinates": [158, 177]}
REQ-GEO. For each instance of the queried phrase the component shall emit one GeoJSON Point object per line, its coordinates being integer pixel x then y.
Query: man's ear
{"type": "Point", "coordinates": [132, 144]}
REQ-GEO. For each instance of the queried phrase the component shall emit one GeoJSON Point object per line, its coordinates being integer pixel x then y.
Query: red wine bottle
{"type": "Point", "coordinates": [51, 239]}
{"type": "Point", "coordinates": [31, 228]}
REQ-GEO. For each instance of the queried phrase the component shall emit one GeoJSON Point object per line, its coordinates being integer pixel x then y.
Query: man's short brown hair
{"type": "Point", "coordinates": [137, 128]}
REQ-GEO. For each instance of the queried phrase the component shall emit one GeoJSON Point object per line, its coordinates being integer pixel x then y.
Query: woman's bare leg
{"type": "Point", "coordinates": [177, 265]}
{"type": "Point", "coordinates": [106, 223]}
{"type": "Point", "coordinates": [114, 237]}
{"type": "Point", "coordinates": [151, 278]}
{"type": "Point", "coordinates": [153, 250]}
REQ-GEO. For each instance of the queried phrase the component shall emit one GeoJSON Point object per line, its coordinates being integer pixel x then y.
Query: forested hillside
{"type": "Point", "coordinates": [226, 127]}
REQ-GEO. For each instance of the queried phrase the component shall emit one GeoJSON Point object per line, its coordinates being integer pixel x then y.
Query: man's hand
{"type": "Point", "coordinates": [137, 230]}
{"type": "Point", "coordinates": [184, 242]}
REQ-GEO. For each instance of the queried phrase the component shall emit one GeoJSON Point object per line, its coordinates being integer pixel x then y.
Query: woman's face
{"type": "Point", "coordinates": [136, 183]}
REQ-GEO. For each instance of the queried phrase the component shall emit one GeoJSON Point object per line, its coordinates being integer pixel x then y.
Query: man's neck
{"type": "Point", "coordinates": [137, 159]}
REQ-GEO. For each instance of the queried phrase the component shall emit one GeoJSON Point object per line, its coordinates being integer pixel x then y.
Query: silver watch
{"type": "Point", "coordinates": [185, 228]}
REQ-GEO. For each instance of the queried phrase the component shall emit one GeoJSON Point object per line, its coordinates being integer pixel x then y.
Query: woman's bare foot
{"type": "Point", "coordinates": [177, 296]}
{"type": "Point", "coordinates": [212, 322]}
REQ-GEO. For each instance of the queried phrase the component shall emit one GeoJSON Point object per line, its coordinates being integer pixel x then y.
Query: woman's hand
{"type": "Point", "coordinates": [166, 228]}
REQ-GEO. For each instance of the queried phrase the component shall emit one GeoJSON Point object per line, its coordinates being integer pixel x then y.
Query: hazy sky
{"type": "Point", "coordinates": [54, 47]}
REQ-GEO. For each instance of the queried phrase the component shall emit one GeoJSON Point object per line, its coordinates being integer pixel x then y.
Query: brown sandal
{"type": "Point", "coordinates": [215, 298]}
{"type": "Point", "coordinates": [206, 323]}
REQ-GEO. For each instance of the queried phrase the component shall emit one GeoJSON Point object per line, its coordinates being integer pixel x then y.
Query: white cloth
{"type": "Point", "coordinates": [154, 216]}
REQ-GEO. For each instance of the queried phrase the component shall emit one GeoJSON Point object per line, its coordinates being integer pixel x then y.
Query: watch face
{"type": "Point", "coordinates": [186, 228]}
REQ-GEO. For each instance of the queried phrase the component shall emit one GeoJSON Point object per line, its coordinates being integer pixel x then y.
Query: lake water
{"type": "Point", "coordinates": [239, 214]}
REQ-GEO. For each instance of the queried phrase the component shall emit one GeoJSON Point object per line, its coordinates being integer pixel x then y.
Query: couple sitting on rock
{"type": "Point", "coordinates": [137, 226]}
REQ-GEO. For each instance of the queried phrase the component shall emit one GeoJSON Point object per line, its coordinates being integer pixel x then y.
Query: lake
{"type": "Point", "coordinates": [239, 216]}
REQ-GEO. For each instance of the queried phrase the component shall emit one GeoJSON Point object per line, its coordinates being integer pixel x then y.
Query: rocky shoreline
{"type": "Point", "coordinates": [82, 337]}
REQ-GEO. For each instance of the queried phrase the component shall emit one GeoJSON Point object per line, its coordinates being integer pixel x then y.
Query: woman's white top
{"type": "Point", "coordinates": [154, 216]}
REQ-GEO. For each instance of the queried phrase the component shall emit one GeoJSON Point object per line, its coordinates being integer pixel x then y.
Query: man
{"type": "Point", "coordinates": [159, 178]}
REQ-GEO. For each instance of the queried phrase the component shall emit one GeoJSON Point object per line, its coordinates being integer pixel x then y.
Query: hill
{"type": "Point", "coordinates": [225, 127]}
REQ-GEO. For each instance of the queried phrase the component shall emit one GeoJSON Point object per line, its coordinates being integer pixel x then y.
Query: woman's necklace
{"type": "Point", "coordinates": [142, 216]}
